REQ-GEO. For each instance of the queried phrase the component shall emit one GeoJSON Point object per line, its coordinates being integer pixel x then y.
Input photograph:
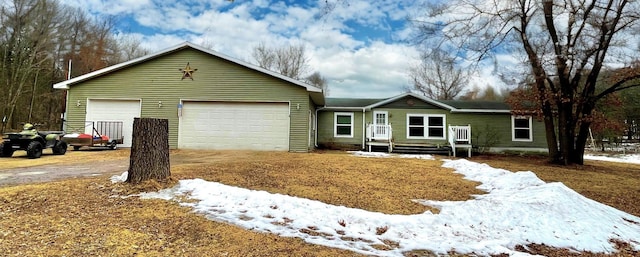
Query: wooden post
{"type": "Point", "coordinates": [149, 150]}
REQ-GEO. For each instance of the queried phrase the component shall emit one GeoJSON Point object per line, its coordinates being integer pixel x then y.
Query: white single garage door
{"type": "Point", "coordinates": [234, 126]}
{"type": "Point", "coordinates": [114, 110]}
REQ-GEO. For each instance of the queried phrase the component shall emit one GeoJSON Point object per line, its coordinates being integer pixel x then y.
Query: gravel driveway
{"type": "Point", "coordinates": [52, 172]}
{"type": "Point", "coordinates": [86, 163]}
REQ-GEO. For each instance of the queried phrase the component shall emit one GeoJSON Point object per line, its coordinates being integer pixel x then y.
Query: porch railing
{"type": "Point", "coordinates": [460, 137]}
{"type": "Point", "coordinates": [379, 132]}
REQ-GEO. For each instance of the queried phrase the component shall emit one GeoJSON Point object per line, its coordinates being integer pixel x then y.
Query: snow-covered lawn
{"type": "Point", "coordinates": [518, 209]}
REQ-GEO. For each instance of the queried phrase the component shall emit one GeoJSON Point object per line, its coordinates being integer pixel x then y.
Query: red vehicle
{"type": "Point", "coordinates": [103, 134]}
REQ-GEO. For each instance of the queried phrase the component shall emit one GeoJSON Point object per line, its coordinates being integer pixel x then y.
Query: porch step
{"type": "Point", "coordinates": [426, 149]}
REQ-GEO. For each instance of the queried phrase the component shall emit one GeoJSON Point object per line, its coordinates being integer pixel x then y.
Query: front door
{"type": "Point", "coordinates": [380, 124]}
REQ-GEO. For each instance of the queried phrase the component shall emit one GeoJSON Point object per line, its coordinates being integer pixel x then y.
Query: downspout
{"type": "Point", "coordinates": [364, 132]}
{"type": "Point", "coordinates": [315, 132]}
{"type": "Point", "coordinates": [309, 137]}
{"type": "Point", "coordinates": [63, 119]}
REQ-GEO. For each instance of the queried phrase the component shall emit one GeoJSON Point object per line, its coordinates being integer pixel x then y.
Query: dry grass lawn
{"type": "Point", "coordinates": [81, 217]}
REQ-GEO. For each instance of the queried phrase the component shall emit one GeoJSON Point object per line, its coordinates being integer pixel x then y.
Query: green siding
{"type": "Point", "coordinates": [215, 80]}
{"type": "Point", "coordinates": [497, 125]}
{"type": "Point", "coordinates": [326, 130]}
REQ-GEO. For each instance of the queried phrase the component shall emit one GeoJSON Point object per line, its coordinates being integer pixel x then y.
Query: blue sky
{"type": "Point", "coordinates": [361, 47]}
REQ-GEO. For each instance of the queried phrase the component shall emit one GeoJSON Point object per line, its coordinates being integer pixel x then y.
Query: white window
{"type": "Point", "coordinates": [343, 124]}
{"type": "Point", "coordinates": [521, 128]}
{"type": "Point", "coordinates": [426, 126]}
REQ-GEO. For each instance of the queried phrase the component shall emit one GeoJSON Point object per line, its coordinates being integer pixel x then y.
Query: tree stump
{"type": "Point", "coordinates": [149, 150]}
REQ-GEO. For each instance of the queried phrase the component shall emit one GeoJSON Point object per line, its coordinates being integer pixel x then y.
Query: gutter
{"type": "Point", "coordinates": [479, 111]}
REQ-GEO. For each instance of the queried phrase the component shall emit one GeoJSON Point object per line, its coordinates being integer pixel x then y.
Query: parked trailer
{"type": "Point", "coordinates": [103, 134]}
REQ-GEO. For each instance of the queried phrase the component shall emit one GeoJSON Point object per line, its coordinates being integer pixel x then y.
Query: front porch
{"type": "Point", "coordinates": [381, 137]}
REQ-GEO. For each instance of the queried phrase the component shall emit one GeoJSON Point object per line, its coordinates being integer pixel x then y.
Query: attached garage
{"type": "Point", "coordinates": [211, 101]}
{"type": "Point", "coordinates": [113, 110]}
{"type": "Point", "coordinates": [234, 125]}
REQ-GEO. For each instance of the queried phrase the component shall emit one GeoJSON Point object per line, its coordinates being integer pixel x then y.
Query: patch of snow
{"type": "Point", "coordinates": [119, 178]}
{"type": "Point", "coordinates": [625, 158]}
{"type": "Point", "coordinates": [29, 173]}
{"type": "Point", "coordinates": [518, 209]}
{"type": "Point", "coordinates": [388, 155]}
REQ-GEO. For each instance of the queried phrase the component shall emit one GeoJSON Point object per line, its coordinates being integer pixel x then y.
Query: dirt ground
{"type": "Point", "coordinates": [74, 164]}
{"type": "Point", "coordinates": [86, 163]}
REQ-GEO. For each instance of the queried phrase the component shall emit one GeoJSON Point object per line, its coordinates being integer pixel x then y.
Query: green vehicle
{"type": "Point", "coordinates": [32, 141]}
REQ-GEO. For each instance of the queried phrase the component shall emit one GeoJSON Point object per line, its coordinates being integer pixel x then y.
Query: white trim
{"type": "Point", "coordinates": [513, 129]}
{"type": "Point", "coordinates": [426, 126]}
{"type": "Point", "coordinates": [386, 117]}
{"type": "Point", "coordinates": [344, 109]}
{"type": "Point", "coordinates": [481, 111]}
{"type": "Point", "coordinates": [335, 123]}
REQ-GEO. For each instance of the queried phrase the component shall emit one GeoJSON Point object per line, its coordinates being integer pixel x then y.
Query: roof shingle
{"type": "Point", "coordinates": [351, 102]}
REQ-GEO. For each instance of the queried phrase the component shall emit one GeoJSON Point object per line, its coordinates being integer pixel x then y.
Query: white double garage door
{"type": "Point", "coordinates": [210, 125]}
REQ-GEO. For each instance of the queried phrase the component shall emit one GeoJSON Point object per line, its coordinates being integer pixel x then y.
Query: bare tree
{"type": "Point", "coordinates": [438, 76]}
{"type": "Point", "coordinates": [319, 81]}
{"type": "Point", "coordinates": [131, 48]}
{"type": "Point", "coordinates": [27, 27]}
{"type": "Point", "coordinates": [37, 38]}
{"type": "Point", "coordinates": [489, 93]}
{"type": "Point", "coordinates": [566, 44]}
{"type": "Point", "coordinates": [264, 56]}
{"type": "Point", "coordinates": [290, 61]}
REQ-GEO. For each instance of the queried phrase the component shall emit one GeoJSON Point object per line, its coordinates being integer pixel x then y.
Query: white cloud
{"type": "Point", "coordinates": [110, 7]}
{"type": "Point", "coordinates": [370, 13]}
{"type": "Point", "coordinates": [379, 70]}
{"type": "Point", "coordinates": [355, 66]}
{"type": "Point", "coordinates": [158, 42]}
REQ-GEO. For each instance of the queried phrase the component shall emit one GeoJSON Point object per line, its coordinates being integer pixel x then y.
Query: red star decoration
{"type": "Point", "coordinates": [187, 72]}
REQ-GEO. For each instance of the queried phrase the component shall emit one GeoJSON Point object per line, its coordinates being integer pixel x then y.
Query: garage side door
{"type": "Point", "coordinates": [234, 126]}
{"type": "Point", "coordinates": [114, 110]}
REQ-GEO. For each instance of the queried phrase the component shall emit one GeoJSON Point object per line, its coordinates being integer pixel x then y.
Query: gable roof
{"type": "Point", "coordinates": [316, 93]}
{"type": "Point", "coordinates": [450, 105]}
{"type": "Point", "coordinates": [422, 98]}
